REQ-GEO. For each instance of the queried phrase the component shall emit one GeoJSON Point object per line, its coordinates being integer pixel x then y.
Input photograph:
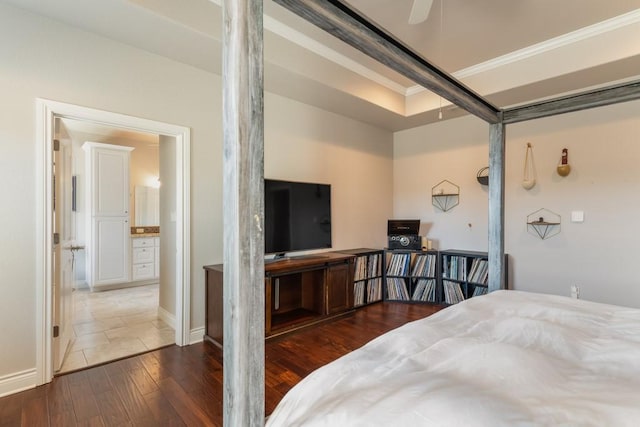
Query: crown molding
{"type": "Point", "coordinates": [318, 48]}
{"type": "Point", "coordinates": [585, 33]}
{"type": "Point", "coordinates": [306, 42]}
{"type": "Point", "coordinates": [601, 28]}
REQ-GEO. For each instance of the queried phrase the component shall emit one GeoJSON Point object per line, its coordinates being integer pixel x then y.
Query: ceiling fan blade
{"type": "Point", "coordinates": [420, 11]}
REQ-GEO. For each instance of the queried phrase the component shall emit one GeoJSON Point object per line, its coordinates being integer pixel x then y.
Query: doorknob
{"type": "Point", "coordinates": [74, 248]}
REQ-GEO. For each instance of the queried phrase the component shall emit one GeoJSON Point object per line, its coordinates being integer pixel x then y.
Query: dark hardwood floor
{"type": "Point", "coordinates": [183, 385]}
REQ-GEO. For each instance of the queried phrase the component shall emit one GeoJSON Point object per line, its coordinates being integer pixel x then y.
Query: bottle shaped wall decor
{"type": "Point", "coordinates": [564, 168]}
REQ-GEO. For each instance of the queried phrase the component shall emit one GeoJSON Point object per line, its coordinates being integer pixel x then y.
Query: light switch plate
{"type": "Point", "coordinates": [577, 216]}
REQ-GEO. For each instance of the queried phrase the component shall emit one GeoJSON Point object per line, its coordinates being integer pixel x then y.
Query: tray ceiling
{"type": "Point", "coordinates": [512, 52]}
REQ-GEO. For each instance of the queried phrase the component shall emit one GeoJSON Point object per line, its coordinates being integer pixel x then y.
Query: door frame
{"type": "Point", "coordinates": [46, 112]}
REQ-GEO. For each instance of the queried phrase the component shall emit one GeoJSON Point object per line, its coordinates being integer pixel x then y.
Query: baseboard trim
{"type": "Point", "coordinates": [196, 335]}
{"type": "Point", "coordinates": [123, 285]}
{"type": "Point", "coordinates": [18, 381]}
{"type": "Point", "coordinates": [80, 284]}
{"type": "Point", "coordinates": [167, 317]}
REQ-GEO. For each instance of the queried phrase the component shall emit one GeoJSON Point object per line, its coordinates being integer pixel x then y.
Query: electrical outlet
{"type": "Point", "coordinates": [575, 292]}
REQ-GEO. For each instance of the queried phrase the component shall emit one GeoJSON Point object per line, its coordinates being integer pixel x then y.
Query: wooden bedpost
{"type": "Point", "coordinates": [243, 213]}
{"type": "Point", "coordinates": [496, 205]}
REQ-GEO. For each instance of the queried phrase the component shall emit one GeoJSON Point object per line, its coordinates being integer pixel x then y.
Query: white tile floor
{"type": "Point", "coordinates": [113, 324]}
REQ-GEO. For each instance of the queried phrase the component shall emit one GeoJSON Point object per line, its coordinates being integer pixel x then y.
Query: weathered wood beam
{"type": "Point", "coordinates": [497, 263]}
{"type": "Point", "coordinates": [567, 104]}
{"type": "Point", "coordinates": [243, 213]}
{"type": "Point", "coordinates": [341, 21]}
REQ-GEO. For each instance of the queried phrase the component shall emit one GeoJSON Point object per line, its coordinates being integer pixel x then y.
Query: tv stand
{"type": "Point", "coordinates": [299, 291]}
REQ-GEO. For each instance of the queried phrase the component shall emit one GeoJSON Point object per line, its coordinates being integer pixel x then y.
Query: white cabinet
{"type": "Point", "coordinates": [110, 166]}
{"type": "Point", "coordinates": [142, 255]}
{"type": "Point", "coordinates": [107, 224]}
{"type": "Point", "coordinates": [110, 249]}
{"type": "Point", "coordinates": [145, 261]}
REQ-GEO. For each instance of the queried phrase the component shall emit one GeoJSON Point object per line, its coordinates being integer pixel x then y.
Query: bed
{"type": "Point", "coordinates": [509, 358]}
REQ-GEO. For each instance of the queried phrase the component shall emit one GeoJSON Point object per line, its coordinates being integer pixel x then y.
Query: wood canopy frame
{"type": "Point", "coordinates": [243, 214]}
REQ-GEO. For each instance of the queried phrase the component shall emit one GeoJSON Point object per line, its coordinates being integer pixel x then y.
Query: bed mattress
{"type": "Point", "coordinates": [509, 358]}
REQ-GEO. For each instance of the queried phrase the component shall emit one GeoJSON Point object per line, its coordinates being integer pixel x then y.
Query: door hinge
{"type": "Point", "coordinates": [56, 238]}
{"type": "Point", "coordinates": [56, 145]}
{"type": "Point", "coordinates": [56, 331]}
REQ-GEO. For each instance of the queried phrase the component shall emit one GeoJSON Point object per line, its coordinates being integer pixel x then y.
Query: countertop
{"type": "Point", "coordinates": [135, 236]}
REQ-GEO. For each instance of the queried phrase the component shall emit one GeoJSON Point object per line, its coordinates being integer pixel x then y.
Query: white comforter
{"type": "Point", "coordinates": [505, 359]}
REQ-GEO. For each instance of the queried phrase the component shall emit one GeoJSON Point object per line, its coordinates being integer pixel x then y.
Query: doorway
{"type": "Point", "coordinates": [126, 317]}
{"type": "Point", "coordinates": [48, 112]}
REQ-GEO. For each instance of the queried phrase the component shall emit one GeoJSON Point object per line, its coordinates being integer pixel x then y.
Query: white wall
{"type": "Point", "coordinates": [168, 244]}
{"type": "Point", "coordinates": [42, 58]}
{"type": "Point", "coordinates": [453, 150]}
{"type": "Point", "coordinates": [599, 255]}
{"type": "Point", "coordinates": [144, 171]}
{"type": "Point", "coordinates": [303, 143]}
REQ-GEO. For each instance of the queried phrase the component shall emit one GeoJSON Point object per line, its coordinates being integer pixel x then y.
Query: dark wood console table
{"type": "Point", "coordinates": [299, 291]}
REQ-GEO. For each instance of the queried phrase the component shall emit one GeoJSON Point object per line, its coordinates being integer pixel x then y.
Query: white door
{"type": "Point", "coordinates": [111, 181]}
{"type": "Point", "coordinates": [108, 225]}
{"type": "Point", "coordinates": [63, 255]}
{"type": "Point", "coordinates": [111, 250]}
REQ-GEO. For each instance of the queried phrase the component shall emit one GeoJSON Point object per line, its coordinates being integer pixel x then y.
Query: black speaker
{"type": "Point", "coordinates": [405, 241]}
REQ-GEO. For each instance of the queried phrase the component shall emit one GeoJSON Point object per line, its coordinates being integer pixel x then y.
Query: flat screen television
{"type": "Point", "coordinates": [297, 216]}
